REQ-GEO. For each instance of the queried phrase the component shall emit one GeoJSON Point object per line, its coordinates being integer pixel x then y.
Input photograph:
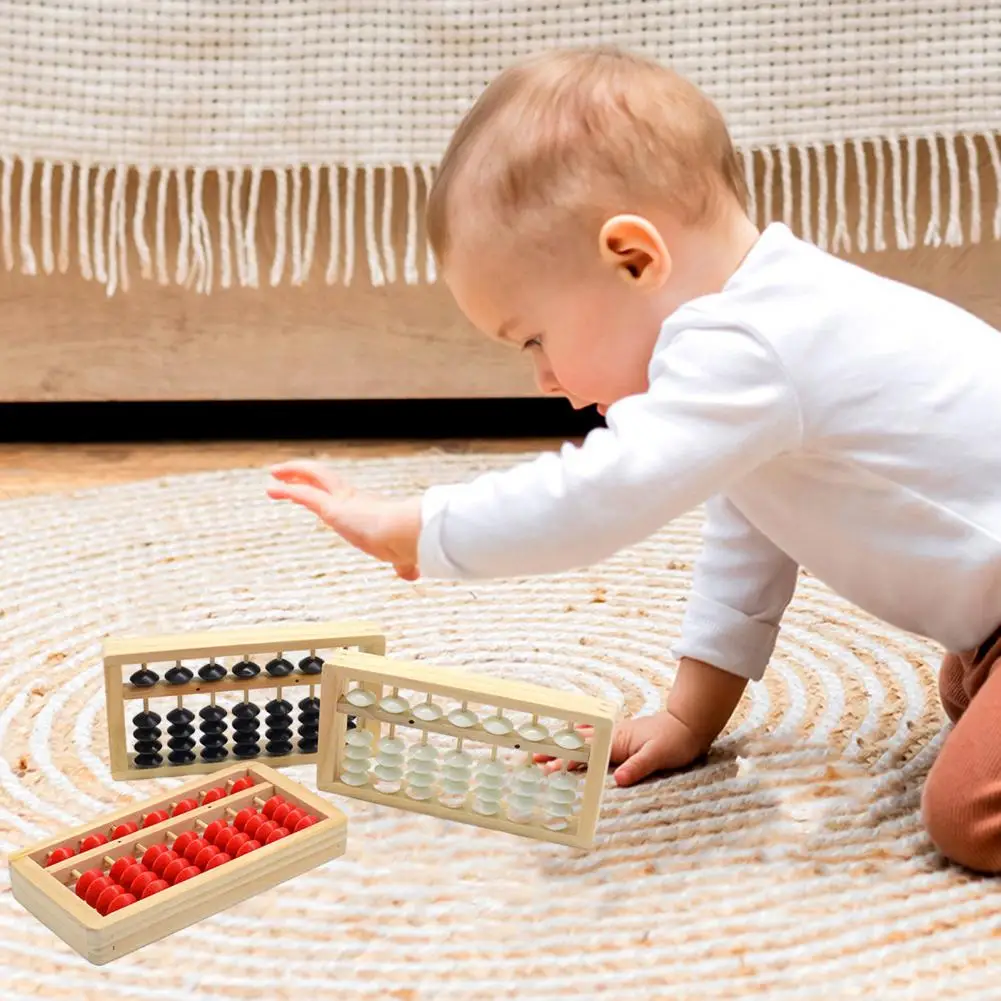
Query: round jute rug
{"type": "Point", "coordinates": [792, 865]}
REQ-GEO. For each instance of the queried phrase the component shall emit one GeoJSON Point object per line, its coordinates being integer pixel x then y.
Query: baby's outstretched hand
{"type": "Point", "coordinates": [388, 530]}
{"type": "Point", "coordinates": [645, 745]}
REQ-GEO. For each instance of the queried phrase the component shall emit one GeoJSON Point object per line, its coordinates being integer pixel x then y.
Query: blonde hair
{"type": "Point", "coordinates": [581, 132]}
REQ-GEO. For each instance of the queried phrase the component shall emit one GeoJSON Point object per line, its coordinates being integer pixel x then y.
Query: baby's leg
{"type": "Point", "coordinates": [950, 687]}
{"type": "Point", "coordinates": [962, 797]}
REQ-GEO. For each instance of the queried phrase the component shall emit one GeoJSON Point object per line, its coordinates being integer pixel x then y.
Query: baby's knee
{"type": "Point", "coordinates": [963, 819]}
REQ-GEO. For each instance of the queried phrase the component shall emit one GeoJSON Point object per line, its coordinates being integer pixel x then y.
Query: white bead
{"type": "Point", "coordinates": [499, 725]}
{"type": "Point", "coordinates": [534, 732]}
{"type": "Point", "coordinates": [360, 697]}
{"type": "Point", "coordinates": [463, 718]}
{"type": "Point", "coordinates": [394, 705]}
{"type": "Point", "coordinates": [427, 712]}
{"type": "Point", "coordinates": [388, 773]}
{"type": "Point", "coordinates": [570, 740]}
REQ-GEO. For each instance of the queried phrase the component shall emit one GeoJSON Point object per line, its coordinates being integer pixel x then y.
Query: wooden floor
{"type": "Point", "coordinates": [38, 469]}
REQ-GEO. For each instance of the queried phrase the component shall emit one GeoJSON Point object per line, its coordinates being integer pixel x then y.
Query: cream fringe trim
{"type": "Point", "coordinates": [159, 221]}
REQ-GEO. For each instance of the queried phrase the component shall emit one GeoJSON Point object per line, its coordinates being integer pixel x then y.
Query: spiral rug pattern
{"type": "Point", "coordinates": [792, 865]}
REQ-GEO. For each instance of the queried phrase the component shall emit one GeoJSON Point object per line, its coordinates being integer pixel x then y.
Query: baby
{"type": "Point", "coordinates": [590, 213]}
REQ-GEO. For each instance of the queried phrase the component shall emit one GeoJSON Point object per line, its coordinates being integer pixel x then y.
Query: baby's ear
{"type": "Point", "coordinates": [634, 247]}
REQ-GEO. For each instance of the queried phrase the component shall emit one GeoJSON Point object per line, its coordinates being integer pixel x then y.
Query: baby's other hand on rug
{"type": "Point", "coordinates": [387, 530]}
{"type": "Point", "coordinates": [643, 746]}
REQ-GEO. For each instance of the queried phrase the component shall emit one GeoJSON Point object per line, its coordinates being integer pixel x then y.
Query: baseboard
{"type": "Point", "coordinates": [293, 420]}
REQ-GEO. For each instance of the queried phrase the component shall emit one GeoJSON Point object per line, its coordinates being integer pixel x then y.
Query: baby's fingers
{"type": "Point", "coordinates": [309, 472]}
{"type": "Point", "coordinates": [312, 498]}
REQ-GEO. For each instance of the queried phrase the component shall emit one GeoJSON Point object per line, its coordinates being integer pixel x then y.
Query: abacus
{"type": "Point", "coordinates": [213, 674]}
{"type": "Point", "coordinates": [460, 746]}
{"type": "Point", "coordinates": [139, 875]}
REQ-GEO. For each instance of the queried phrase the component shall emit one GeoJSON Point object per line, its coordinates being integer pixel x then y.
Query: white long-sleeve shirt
{"type": "Point", "coordinates": [827, 417]}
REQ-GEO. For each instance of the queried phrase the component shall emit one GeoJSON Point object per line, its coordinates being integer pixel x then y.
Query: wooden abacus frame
{"type": "Point", "coordinates": [47, 893]}
{"type": "Point", "coordinates": [119, 652]}
{"type": "Point", "coordinates": [379, 673]}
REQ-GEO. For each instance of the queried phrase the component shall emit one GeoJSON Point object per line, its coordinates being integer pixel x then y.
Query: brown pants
{"type": "Point", "coordinates": [961, 803]}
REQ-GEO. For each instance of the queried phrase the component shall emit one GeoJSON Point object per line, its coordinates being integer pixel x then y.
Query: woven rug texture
{"type": "Point", "coordinates": [792, 865]}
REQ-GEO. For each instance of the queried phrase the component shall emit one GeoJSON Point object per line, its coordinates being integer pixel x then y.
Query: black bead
{"type": "Point", "coordinates": [246, 669]}
{"type": "Point", "coordinates": [246, 725]}
{"type": "Point", "coordinates": [246, 750]}
{"type": "Point", "coordinates": [148, 760]}
{"type": "Point", "coordinates": [214, 753]}
{"type": "Point", "coordinates": [278, 733]}
{"type": "Point", "coordinates": [144, 678]}
{"type": "Point", "coordinates": [213, 713]}
{"type": "Point", "coordinates": [352, 723]}
{"type": "Point", "coordinates": [178, 676]}
{"type": "Point", "coordinates": [180, 715]}
{"type": "Point", "coordinates": [311, 665]}
{"type": "Point", "coordinates": [212, 740]}
{"type": "Point", "coordinates": [245, 710]}
{"type": "Point", "coordinates": [308, 730]}
{"type": "Point", "coordinates": [181, 757]}
{"type": "Point", "coordinates": [279, 667]}
{"type": "Point", "coordinates": [181, 744]}
{"type": "Point", "coordinates": [146, 719]}
{"type": "Point", "coordinates": [310, 705]}
{"type": "Point", "coordinates": [215, 726]}
{"type": "Point", "coordinates": [308, 745]}
{"type": "Point", "coordinates": [212, 672]}
{"type": "Point", "coordinates": [278, 706]}
{"type": "Point", "coordinates": [148, 746]}
{"type": "Point", "coordinates": [277, 747]}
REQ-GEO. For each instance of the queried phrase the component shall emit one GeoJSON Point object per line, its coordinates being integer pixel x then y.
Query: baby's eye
{"type": "Point", "coordinates": [533, 342]}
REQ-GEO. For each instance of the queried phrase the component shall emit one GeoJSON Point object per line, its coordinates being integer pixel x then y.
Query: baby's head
{"type": "Point", "coordinates": [584, 197]}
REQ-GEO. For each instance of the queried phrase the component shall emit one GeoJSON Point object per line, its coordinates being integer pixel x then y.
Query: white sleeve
{"type": "Point", "coordinates": [743, 585]}
{"type": "Point", "coordinates": [719, 404]}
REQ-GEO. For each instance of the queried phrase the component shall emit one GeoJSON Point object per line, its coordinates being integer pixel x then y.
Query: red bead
{"type": "Point", "coordinates": [274, 836]}
{"type": "Point", "coordinates": [182, 841]}
{"type": "Point", "coordinates": [235, 843]}
{"type": "Point", "coordinates": [194, 848]}
{"type": "Point", "coordinates": [108, 894]}
{"type": "Point", "coordinates": [293, 818]}
{"type": "Point", "coordinates": [253, 825]}
{"type": "Point", "coordinates": [171, 871]}
{"type": "Point", "coordinates": [93, 841]}
{"type": "Point", "coordinates": [205, 855]}
{"type": "Point", "coordinates": [240, 784]}
{"type": "Point", "coordinates": [96, 888]}
{"type": "Point", "coordinates": [248, 847]}
{"type": "Point", "coordinates": [130, 874]}
{"type": "Point", "coordinates": [222, 838]}
{"type": "Point", "coordinates": [214, 830]}
{"type": "Point", "coordinates": [265, 831]}
{"type": "Point", "coordinates": [122, 900]}
{"type": "Point", "coordinates": [279, 813]}
{"type": "Point", "coordinates": [221, 859]}
{"type": "Point", "coordinates": [153, 853]}
{"type": "Point", "coordinates": [219, 792]}
{"type": "Point", "coordinates": [141, 881]}
{"type": "Point", "coordinates": [163, 860]}
{"type": "Point", "coordinates": [158, 887]}
{"type": "Point", "coordinates": [304, 823]}
{"type": "Point", "coordinates": [240, 820]}
{"type": "Point", "coordinates": [272, 804]}
{"type": "Point", "coordinates": [119, 866]}
{"type": "Point", "coordinates": [124, 830]}
{"type": "Point", "coordinates": [184, 806]}
{"type": "Point", "coordinates": [85, 880]}
{"type": "Point", "coordinates": [156, 817]}
{"type": "Point", "coordinates": [60, 855]}
{"type": "Point", "coordinates": [185, 874]}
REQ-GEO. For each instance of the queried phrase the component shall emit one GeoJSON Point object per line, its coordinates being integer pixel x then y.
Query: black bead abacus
{"type": "Point", "coordinates": [279, 727]}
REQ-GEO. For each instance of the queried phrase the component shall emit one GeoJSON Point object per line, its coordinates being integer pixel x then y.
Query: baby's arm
{"type": "Point", "coordinates": [743, 584]}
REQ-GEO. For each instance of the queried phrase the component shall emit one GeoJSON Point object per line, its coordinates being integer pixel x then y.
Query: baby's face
{"type": "Point", "coordinates": [588, 335]}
